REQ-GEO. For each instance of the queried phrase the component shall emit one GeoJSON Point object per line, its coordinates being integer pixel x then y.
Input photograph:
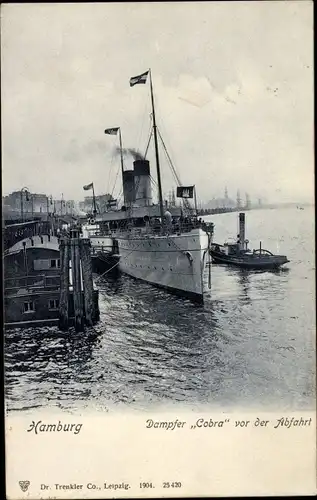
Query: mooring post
{"type": "Point", "coordinates": [64, 284]}
{"type": "Point", "coordinates": [77, 291]}
{"type": "Point", "coordinates": [86, 266]}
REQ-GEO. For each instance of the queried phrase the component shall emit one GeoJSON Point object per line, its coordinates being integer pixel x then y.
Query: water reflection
{"type": "Point", "coordinates": [67, 349]}
{"type": "Point", "coordinates": [46, 358]}
{"type": "Point", "coordinates": [245, 276]}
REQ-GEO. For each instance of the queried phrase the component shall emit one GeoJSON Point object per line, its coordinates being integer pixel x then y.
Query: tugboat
{"type": "Point", "coordinates": [238, 254]}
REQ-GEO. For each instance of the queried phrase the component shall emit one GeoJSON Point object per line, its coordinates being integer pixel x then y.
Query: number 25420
{"type": "Point", "coordinates": [172, 485]}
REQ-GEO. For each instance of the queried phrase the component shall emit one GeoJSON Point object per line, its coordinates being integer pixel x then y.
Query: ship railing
{"type": "Point", "coordinates": [95, 249]}
{"type": "Point", "coordinates": [167, 229]}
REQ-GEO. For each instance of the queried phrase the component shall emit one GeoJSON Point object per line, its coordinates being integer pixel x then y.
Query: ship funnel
{"type": "Point", "coordinates": [128, 186]}
{"type": "Point", "coordinates": [242, 230]}
{"type": "Point", "coordinates": [142, 183]}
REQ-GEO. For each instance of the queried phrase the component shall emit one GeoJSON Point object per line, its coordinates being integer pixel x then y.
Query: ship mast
{"type": "Point", "coordinates": [114, 131]}
{"type": "Point", "coordinates": [122, 167]}
{"type": "Point", "coordinates": [94, 201]}
{"type": "Point", "coordinates": [157, 153]}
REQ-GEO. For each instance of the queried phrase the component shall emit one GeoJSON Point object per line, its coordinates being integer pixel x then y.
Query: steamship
{"type": "Point", "coordinates": [164, 246]}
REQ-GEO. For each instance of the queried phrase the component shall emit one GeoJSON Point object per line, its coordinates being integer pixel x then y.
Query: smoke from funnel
{"type": "Point", "coordinates": [136, 155]}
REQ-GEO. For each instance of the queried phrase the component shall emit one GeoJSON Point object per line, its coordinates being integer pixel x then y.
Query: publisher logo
{"type": "Point", "coordinates": [24, 485]}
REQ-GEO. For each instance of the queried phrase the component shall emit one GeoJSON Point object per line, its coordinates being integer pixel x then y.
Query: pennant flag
{"type": "Point", "coordinates": [185, 192]}
{"type": "Point", "coordinates": [138, 79]}
{"type": "Point", "coordinates": [88, 186]}
{"type": "Point", "coordinates": [112, 131]}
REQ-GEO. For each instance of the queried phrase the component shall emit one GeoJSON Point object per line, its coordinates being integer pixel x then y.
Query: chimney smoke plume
{"type": "Point", "coordinates": [136, 155]}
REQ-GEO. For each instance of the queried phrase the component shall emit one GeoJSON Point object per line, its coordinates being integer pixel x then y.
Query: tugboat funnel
{"type": "Point", "coordinates": [241, 231]}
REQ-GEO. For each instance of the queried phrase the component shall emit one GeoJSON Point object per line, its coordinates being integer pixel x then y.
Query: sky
{"type": "Point", "coordinates": [233, 88]}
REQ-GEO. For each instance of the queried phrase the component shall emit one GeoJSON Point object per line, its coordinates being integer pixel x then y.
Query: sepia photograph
{"type": "Point", "coordinates": [158, 226]}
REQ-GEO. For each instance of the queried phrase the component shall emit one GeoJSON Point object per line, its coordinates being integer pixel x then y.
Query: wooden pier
{"type": "Point", "coordinates": [78, 302]}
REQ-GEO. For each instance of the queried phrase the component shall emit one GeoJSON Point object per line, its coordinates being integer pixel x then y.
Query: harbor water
{"type": "Point", "coordinates": [251, 345]}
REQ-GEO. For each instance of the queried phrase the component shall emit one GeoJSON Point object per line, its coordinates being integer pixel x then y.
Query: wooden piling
{"type": "Point", "coordinates": [77, 291]}
{"type": "Point", "coordinates": [115, 246]}
{"type": "Point", "coordinates": [64, 285]}
{"type": "Point", "coordinates": [90, 314]}
{"type": "Point", "coordinates": [83, 296]}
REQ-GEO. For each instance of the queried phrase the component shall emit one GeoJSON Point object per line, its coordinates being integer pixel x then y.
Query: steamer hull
{"type": "Point", "coordinates": [175, 263]}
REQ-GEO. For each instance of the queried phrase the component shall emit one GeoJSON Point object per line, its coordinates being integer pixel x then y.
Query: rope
{"type": "Point", "coordinates": [170, 160]}
{"type": "Point", "coordinates": [149, 140]}
{"type": "Point", "coordinates": [119, 197]}
{"type": "Point", "coordinates": [153, 181]}
{"type": "Point", "coordinates": [115, 182]}
{"type": "Point", "coordinates": [116, 264]}
{"type": "Point", "coordinates": [178, 180]}
{"type": "Point", "coordinates": [110, 170]}
{"type": "Point", "coordinates": [106, 272]}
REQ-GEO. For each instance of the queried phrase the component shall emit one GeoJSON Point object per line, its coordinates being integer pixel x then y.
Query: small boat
{"type": "Point", "coordinates": [104, 261]}
{"type": "Point", "coordinates": [238, 254]}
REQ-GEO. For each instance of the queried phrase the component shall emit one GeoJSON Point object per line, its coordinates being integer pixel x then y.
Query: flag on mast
{"type": "Point", "coordinates": [88, 186]}
{"type": "Point", "coordinates": [138, 79]}
{"type": "Point", "coordinates": [112, 131]}
{"type": "Point", "coordinates": [185, 192]}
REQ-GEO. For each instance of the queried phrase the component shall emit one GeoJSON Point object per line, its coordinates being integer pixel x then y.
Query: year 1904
{"type": "Point", "coordinates": [146, 485]}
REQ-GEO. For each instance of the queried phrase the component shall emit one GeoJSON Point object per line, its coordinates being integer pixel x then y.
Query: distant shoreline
{"type": "Point", "coordinates": [14, 215]}
{"type": "Point", "coordinates": [217, 211]}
